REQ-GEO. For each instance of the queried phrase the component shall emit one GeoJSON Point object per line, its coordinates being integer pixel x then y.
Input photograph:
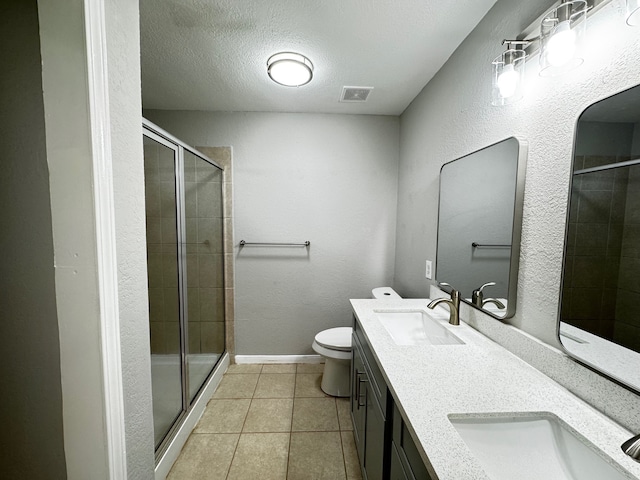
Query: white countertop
{"type": "Point", "coordinates": [480, 377]}
{"type": "Point", "coordinates": [593, 350]}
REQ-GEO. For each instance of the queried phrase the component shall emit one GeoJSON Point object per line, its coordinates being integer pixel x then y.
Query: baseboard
{"type": "Point", "coordinates": [278, 359]}
{"type": "Point", "coordinates": [189, 423]}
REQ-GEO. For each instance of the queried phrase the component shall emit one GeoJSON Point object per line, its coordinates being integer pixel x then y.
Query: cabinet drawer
{"type": "Point", "coordinates": [378, 384]}
{"type": "Point", "coordinates": [407, 451]}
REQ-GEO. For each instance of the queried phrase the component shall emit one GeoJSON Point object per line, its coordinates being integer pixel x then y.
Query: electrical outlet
{"type": "Point", "coordinates": [427, 272]}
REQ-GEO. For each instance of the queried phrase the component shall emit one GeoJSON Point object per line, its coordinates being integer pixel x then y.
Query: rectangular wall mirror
{"type": "Point", "coordinates": [600, 295]}
{"type": "Point", "coordinates": [479, 224]}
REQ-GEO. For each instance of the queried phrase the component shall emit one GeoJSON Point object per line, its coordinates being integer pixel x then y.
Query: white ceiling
{"type": "Point", "coordinates": [212, 54]}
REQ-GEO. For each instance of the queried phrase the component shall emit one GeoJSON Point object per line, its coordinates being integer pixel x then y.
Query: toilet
{"type": "Point", "coordinates": [334, 345]}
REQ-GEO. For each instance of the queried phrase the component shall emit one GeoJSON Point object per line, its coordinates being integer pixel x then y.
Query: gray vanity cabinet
{"type": "Point", "coordinates": [369, 402]}
{"type": "Point", "coordinates": [406, 462]}
{"type": "Point", "coordinates": [396, 471]}
{"type": "Point", "coordinates": [384, 444]}
{"type": "Point", "coordinates": [358, 392]}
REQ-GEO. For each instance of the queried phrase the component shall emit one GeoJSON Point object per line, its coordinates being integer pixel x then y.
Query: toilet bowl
{"type": "Point", "coordinates": [334, 345]}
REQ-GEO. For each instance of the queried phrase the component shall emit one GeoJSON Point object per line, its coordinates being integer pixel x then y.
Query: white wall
{"type": "Point", "coordinates": [453, 117]}
{"type": "Point", "coordinates": [125, 108]}
{"type": "Point", "coordinates": [89, 405]}
{"type": "Point", "coordinates": [32, 442]}
{"type": "Point", "coordinates": [446, 122]}
{"type": "Point", "coordinates": [69, 156]}
{"type": "Point", "coordinates": [329, 179]}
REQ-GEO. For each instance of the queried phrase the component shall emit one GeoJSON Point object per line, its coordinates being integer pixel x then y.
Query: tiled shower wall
{"type": "Point", "coordinates": [162, 260]}
{"type": "Point", "coordinates": [601, 290]}
{"type": "Point", "coordinates": [627, 325]}
{"type": "Point", "coordinates": [223, 157]}
{"type": "Point", "coordinates": [210, 298]}
{"type": "Point", "coordinates": [205, 270]}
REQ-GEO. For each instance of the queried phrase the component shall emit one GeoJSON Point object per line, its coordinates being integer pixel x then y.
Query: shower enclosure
{"type": "Point", "coordinates": [185, 264]}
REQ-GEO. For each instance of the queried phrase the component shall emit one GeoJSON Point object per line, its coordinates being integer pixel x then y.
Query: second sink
{"type": "Point", "coordinates": [415, 327]}
{"type": "Point", "coordinates": [532, 447]}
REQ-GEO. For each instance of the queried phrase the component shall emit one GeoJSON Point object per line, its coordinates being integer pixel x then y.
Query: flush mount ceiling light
{"type": "Point", "coordinates": [561, 33]}
{"type": "Point", "coordinates": [508, 73]}
{"type": "Point", "coordinates": [290, 69]}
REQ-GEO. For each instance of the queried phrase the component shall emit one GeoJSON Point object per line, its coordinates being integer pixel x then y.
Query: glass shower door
{"type": "Point", "coordinates": [185, 265]}
{"type": "Point", "coordinates": [205, 268]}
{"type": "Point", "coordinates": [163, 259]}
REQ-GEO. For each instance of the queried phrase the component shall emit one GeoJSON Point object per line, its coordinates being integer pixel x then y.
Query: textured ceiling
{"type": "Point", "coordinates": [211, 54]}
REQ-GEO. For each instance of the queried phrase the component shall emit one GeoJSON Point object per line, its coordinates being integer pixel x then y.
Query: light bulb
{"type": "Point", "coordinates": [633, 12]}
{"type": "Point", "coordinates": [508, 81]}
{"type": "Point", "coordinates": [288, 72]}
{"type": "Point", "coordinates": [561, 45]}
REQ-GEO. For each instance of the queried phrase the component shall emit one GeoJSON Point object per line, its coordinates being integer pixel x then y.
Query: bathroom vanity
{"type": "Point", "coordinates": [385, 447]}
{"type": "Point", "coordinates": [416, 406]}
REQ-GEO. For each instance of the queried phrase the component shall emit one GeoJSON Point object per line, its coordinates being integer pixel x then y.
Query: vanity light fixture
{"type": "Point", "coordinates": [290, 69]}
{"type": "Point", "coordinates": [561, 33]}
{"type": "Point", "coordinates": [508, 73]}
{"type": "Point", "coordinates": [559, 43]}
{"type": "Point", "coordinates": [633, 12]}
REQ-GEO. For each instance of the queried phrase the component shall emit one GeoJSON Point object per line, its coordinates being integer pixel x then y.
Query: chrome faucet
{"type": "Point", "coordinates": [632, 447]}
{"type": "Point", "coordinates": [495, 301]}
{"type": "Point", "coordinates": [477, 297]}
{"type": "Point", "coordinates": [454, 305]}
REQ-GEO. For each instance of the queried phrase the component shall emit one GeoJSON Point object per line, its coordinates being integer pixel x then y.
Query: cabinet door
{"type": "Point", "coordinates": [406, 449]}
{"type": "Point", "coordinates": [358, 401]}
{"type": "Point", "coordinates": [397, 472]}
{"type": "Point", "coordinates": [374, 439]}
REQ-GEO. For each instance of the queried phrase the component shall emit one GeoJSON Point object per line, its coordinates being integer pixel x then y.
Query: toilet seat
{"type": "Point", "coordinates": [338, 338]}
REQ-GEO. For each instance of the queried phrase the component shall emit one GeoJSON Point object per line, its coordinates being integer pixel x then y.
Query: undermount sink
{"type": "Point", "coordinates": [533, 447]}
{"type": "Point", "coordinates": [415, 327]}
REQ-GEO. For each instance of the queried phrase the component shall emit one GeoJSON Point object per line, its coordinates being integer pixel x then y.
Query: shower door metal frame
{"type": "Point", "coordinates": [159, 135]}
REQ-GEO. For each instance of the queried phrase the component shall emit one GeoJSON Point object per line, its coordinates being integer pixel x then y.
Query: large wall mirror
{"type": "Point", "coordinates": [600, 296]}
{"type": "Point", "coordinates": [479, 224]}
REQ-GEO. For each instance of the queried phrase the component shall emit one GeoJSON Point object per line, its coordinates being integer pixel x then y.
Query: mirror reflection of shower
{"type": "Point", "coordinates": [184, 223]}
{"type": "Point", "coordinates": [600, 294]}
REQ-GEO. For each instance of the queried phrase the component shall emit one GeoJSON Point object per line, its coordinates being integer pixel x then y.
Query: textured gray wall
{"type": "Point", "coordinates": [329, 179]}
{"type": "Point", "coordinates": [31, 409]}
{"type": "Point", "coordinates": [446, 122]}
{"type": "Point", "coordinates": [123, 58]}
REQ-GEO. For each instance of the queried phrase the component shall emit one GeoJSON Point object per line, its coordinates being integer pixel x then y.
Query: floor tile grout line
{"type": "Point", "coordinates": [286, 472]}
{"type": "Point", "coordinates": [271, 398]}
{"type": "Point", "coordinates": [344, 457]}
{"type": "Point", "coordinates": [293, 406]}
{"type": "Point", "coordinates": [232, 457]}
{"type": "Point", "coordinates": [294, 399]}
{"type": "Point", "coordinates": [271, 431]}
{"type": "Point", "coordinates": [241, 429]}
{"type": "Point", "coordinates": [244, 423]}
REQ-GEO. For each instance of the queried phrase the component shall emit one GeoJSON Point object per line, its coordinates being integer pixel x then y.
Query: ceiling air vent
{"type": "Point", "coordinates": [355, 94]}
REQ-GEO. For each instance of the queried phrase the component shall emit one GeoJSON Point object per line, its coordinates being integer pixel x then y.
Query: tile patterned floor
{"type": "Point", "coordinates": [271, 422]}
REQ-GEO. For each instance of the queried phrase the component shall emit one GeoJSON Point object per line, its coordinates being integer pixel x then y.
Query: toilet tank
{"type": "Point", "coordinates": [384, 293]}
